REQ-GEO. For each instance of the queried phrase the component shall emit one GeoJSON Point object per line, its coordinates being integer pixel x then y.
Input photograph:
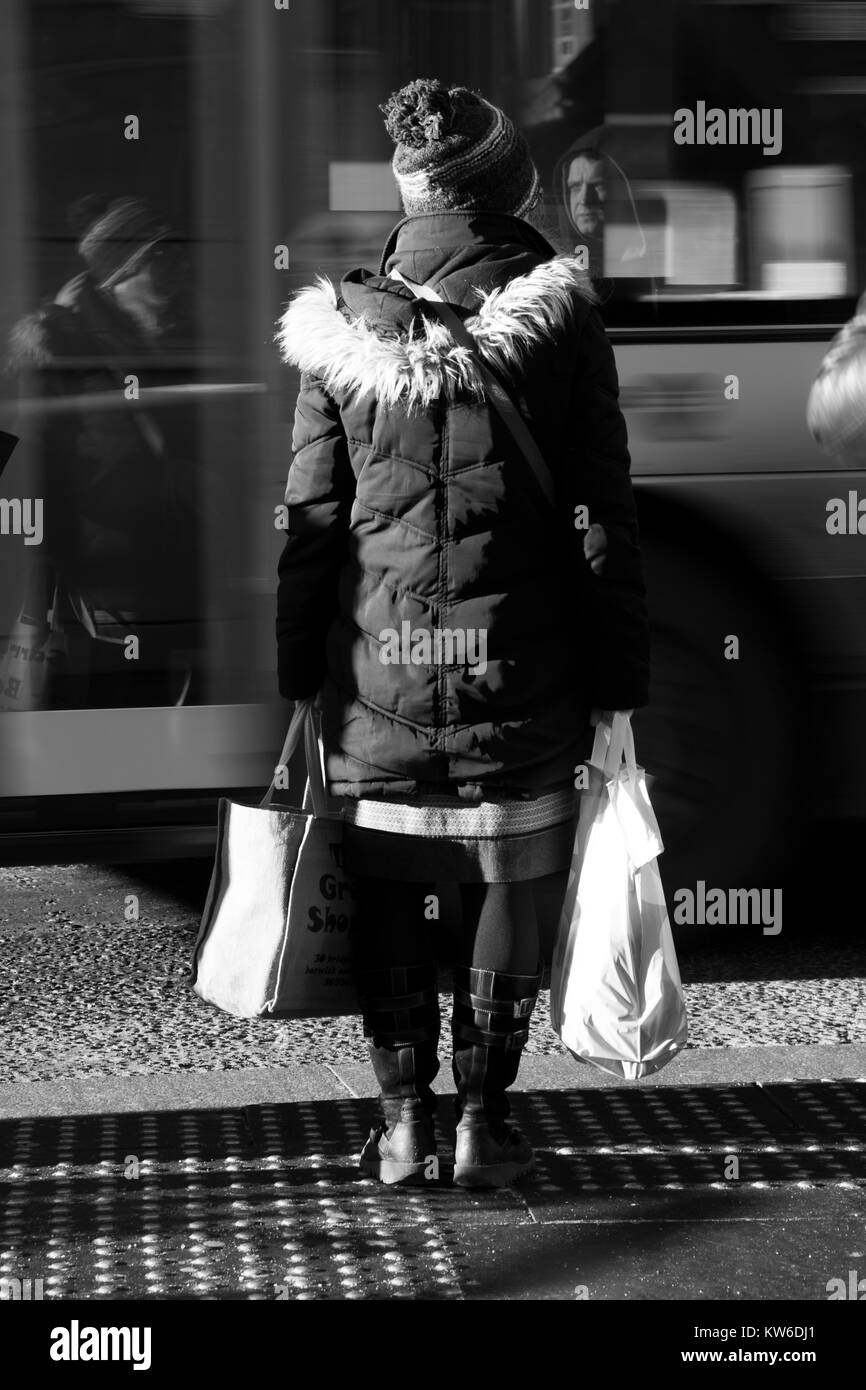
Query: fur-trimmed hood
{"type": "Point", "coordinates": [37, 339]}
{"type": "Point", "coordinates": [374, 338]}
{"type": "Point", "coordinates": [80, 321]}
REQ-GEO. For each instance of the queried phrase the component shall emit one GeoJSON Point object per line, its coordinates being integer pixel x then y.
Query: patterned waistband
{"type": "Point", "coordinates": [449, 818]}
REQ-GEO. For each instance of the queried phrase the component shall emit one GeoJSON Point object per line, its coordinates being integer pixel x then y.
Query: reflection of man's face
{"type": "Point", "coordinates": [586, 194]}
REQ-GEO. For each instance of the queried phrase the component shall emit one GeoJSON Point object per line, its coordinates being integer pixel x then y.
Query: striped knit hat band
{"type": "Point", "coordinates": [458, 152]}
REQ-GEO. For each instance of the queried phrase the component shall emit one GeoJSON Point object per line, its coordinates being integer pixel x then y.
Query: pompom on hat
{"type": "Point", "coordinates": [457, 152]}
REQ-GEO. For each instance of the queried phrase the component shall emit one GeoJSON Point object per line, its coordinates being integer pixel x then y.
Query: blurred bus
{"type": "Point", "coordinates": [725, 272]}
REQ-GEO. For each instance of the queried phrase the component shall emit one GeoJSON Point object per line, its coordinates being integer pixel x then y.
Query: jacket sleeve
{"type": "Point", "coordinates": [836, 410]}
{"type": "Point", "coordinates": [319, 495]}
{"type": "Point", "coordinates": [617, 644]}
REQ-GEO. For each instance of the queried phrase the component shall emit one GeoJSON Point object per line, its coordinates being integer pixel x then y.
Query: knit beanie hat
{"type": "Point", "coordinates": [457, 152]}
{"type": "Point", "coordinates": [115, 244]}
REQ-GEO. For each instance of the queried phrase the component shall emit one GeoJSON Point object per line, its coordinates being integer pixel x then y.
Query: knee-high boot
{"type": "Point", "coordinates": [401, 1023]}
{"type": "Point", "coordinates": [490, 1027]}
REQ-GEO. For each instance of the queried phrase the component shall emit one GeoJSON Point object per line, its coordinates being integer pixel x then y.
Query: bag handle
{"type": "Point", "coordinates": [54, 611]}
{"type": "Point", "coordinates": [315, 753]}
{"type": "Point", "coordinates": [290, 743]}
{"type": "Point", "coordinates": [628, 748]}
{"type": "Point", "coordinates": [499, 397]}
{"type": "Point", "coordinates": [304, 724]}
{"type": "Point", "coordinates": [612, 742]}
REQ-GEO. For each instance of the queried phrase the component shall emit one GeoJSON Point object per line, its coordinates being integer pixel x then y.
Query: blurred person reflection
{"type": "Point", "coordinates": [597, 207]}
{"type": "Point", "coordinates": [836, 408]}
{"type": "Point", "coordinates": [117, 480]}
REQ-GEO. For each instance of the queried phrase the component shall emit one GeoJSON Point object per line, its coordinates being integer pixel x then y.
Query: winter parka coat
{"type": "Point", "coordinates": [410, 504]}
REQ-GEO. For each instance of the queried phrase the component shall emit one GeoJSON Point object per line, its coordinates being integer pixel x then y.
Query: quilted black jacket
{"type": "Point", "coordinates": [409, 504]}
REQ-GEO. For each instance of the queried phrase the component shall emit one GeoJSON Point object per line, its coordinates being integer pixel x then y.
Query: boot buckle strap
{"type": "Point", "coordinates": [509, 1042]}
{"type": "Point", "coordinates": [514, 1008]}
{"type": "Point", "coordinates": [495, 982]}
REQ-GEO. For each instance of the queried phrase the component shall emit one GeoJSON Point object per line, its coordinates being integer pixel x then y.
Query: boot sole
{"type": "Point", "coordinates": [491, 1174]}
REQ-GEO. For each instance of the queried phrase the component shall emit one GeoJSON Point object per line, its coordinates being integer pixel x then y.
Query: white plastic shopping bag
{"type": "Point", "coordinates": [616, 998]}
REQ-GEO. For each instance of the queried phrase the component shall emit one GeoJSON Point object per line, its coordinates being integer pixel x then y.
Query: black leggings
{"type": "Point", "coordinates": [499, 931]}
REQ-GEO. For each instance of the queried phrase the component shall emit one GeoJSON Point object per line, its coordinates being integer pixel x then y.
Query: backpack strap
{"type": "Point", "coordinates": [499, 398]}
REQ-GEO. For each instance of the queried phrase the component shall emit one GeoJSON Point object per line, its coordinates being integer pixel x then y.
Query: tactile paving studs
{"type": "Point", "coordinates": [673, 1137]}
{"type": "Point", "coordinates": [267, 1202]}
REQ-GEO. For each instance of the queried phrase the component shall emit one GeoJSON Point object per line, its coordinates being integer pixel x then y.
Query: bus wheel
{"type": "Point", "coordinates": [719, 738]}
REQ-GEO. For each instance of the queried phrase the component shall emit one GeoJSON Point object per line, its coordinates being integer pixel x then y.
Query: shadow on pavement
{"type": "Point", "coordinates": [265, 1202]}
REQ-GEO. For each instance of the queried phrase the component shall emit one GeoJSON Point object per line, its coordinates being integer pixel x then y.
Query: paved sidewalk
{"type": "Point", "coordinates": [207, 1090]}
{"type": "Point", "coordinates": [687, 1189]}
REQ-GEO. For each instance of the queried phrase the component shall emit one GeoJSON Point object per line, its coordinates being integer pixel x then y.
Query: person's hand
{"type": "Point", "coordinates": [605, 716]}
{"type": "Point", "coordinates": [595, 547]}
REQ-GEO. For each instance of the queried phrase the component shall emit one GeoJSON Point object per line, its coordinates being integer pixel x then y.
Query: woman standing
{"type": "Point", "coordinates": [455, 629]}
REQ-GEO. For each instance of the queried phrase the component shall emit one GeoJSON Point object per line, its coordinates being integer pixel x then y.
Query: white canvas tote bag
{"type": "Point", "coordinates": [276, 932]}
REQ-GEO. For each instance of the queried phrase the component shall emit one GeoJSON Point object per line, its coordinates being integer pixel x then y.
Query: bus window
{"type": "Point", "coordinates": [708, 156]}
